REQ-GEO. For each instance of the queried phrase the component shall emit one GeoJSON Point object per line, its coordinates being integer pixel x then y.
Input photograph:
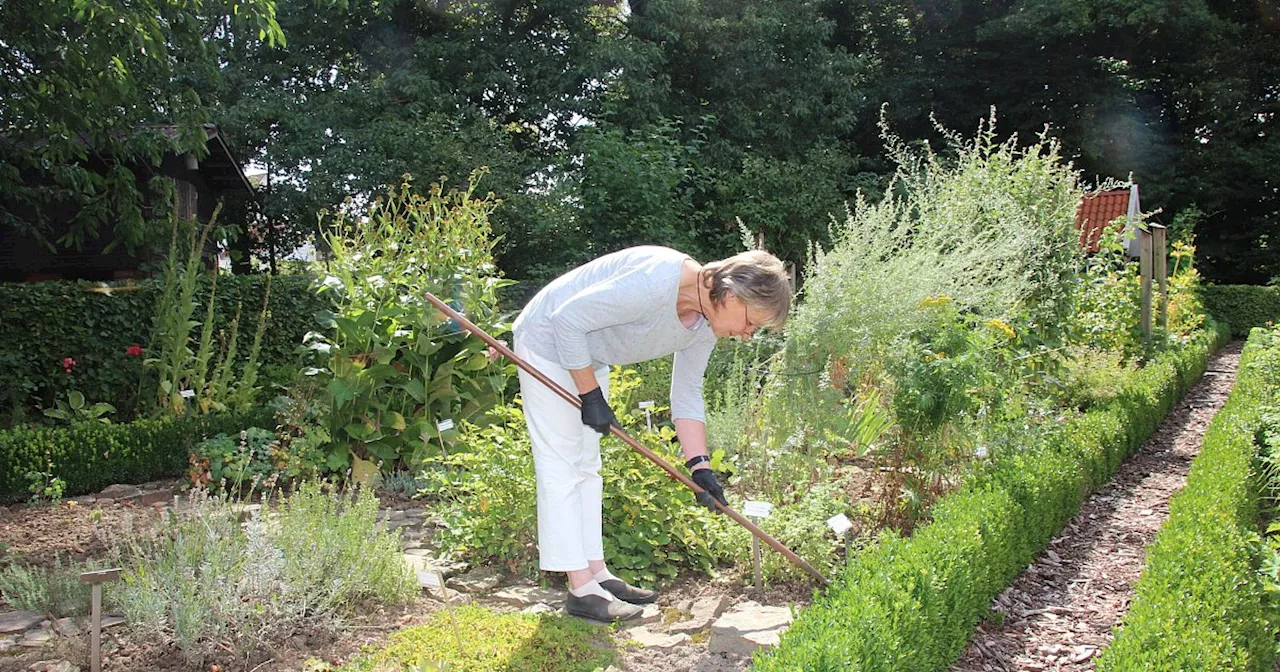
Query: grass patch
{"type": "Point", "coordinates": [474, 639]}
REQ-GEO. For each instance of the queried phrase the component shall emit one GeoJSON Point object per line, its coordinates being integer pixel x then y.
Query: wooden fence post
{"type": "Point", "coordinates": [1144, 271]}
{"type": "Point", "coordinates": [1160, 254]}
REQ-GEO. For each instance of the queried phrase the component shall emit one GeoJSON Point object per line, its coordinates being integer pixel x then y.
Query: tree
{"type": "Point", "coordinates": [93, 89]}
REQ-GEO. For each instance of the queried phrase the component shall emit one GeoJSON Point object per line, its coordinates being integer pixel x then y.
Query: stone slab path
{"type": "Point", "coordinates": [1061, 612]}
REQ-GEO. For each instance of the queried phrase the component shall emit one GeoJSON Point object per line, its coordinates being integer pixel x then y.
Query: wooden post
{"type": "Point", "coordinates": [1160, 255]}
{"type": "Point", "coordinates": [755, 565]}
{"type": "Point", "coordinates": [1144, 271]}
{"type": "Point", "coordinates": [96, 579]}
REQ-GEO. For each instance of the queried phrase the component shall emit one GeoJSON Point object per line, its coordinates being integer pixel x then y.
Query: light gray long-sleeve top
{"type": "Point", "coordinates": [618, 310]}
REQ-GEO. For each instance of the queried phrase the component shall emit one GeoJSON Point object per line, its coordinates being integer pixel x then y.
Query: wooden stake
{"type": "Point", "coordinates": [1144, 270]}
{"type": "Point", "coordinates": [96, 579]}
{"type": "Point", "coordinates": [1160, 255]}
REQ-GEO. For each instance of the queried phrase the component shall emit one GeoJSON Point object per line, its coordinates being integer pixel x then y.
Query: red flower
{"type": "Point", "coordinates": [134, 350]}
{"type": "Point", "coordinates": [68, 364]}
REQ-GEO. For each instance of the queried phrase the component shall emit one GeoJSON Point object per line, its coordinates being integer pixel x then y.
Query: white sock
{"type": "Point", "coordinates": [605, 575]}
{"type": "Point", "coordinates": [591, 588]}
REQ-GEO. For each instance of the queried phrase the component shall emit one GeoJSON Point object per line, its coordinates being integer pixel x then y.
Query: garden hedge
{"type": "Point", "coordinates": [90, 456]}
{"type": "Point", "coordinates": [1243, 307]}
{"type": "Point", "coordinates": [44, 322]}
{"type": "Point", "coordinates": [1200, 582]}
{"type": "Point", "coordinates": [912, 604]}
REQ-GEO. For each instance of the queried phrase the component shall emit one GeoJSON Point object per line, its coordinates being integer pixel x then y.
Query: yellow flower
{"type": "Point", "coordinates": [1001, 325]}
{"type": "Point", "coordinates": [939, 300]}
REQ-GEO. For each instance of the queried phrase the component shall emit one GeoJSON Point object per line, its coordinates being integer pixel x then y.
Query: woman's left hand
{"type": "Point", "coordinates": [712, 491]}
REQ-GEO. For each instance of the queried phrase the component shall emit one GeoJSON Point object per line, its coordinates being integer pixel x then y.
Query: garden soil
{"type": "Point", "coordinates": [1061, 612]}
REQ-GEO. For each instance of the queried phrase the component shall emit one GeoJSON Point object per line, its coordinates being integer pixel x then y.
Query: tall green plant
{"type": "Point", "coordinates": [212, 377]}
{"type": "Point", "coordinates": [392, 364]}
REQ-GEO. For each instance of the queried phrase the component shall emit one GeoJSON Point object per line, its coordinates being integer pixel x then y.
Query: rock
{"type": "Point", "coordinates": [71, 627]}
{"type": "Point", "coordinates": [651, 614]}
{"type": "Point", "coordinates": [477, 580]}
{"type": "Point", "coordinates": [244, 512]}
{"type": "Point", "coordinates": [523, 596]}
{"type": "Point", "coordinates": [104, 502]}
{"type": "Point", "coordinates": [36, 639]}
{"type": "Point", "coordinates": [747, 627]}
{"type": "Point", "coordinates": [538, 609]}
{"type": "Point", "coordinates": [656, 640]}
{"type": "Point", "coordinates": [396, 515]}
{"type": "Point", "coordinates": [157, 497]}
{"type": "Point", "coordinates": [426, 563]}
{"type": "Point", "coordinates": [705, 610]}
{"type": "Point", "coordinates": [418, 552]}
{"type": "Point", "coordinates": [53, 666]}
{"type": "Point", "coordinates": [19, 621]}
{"type": "Point", "coordinates": [8, 643]}
{"type": "Point", "coordinates": [112, 620]}
{"type": "Point", "coordinates": [119, 491]}
{"type": "Point", "coordinates": [83, 499]}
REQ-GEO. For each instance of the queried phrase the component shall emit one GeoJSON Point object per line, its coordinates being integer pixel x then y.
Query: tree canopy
{"type": "Point", "coordinates": [604, 124]}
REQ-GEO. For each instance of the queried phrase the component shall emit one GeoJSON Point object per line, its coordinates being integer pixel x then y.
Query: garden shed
{"type": "Point", "coordinates": [199, 183]}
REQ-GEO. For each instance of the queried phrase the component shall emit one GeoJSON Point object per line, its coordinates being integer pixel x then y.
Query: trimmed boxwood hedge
{"type": "Point", "coordinates": [43, 322]}
{"type": "Point", "coordinates": [911, 604]}
{"type": "Point", "coordinates": [1200, 604]}
{"type": "Point", "coordinates": [90, 456]}
{"type": "Point", "coordinates": [1243, 307]}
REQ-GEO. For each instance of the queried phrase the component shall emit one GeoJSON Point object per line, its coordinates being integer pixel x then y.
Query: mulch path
{"type": "Point", "coordinates": [1061, 612]}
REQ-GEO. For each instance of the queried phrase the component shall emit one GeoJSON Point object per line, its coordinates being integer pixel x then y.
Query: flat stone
{"type": "Point", "coordinates": [705, 610]}
{"type": "Point", "coordinates": [36, 639]}
{"type": "Point", "coordinates": [119, 491]}
{"type": "Point", "coordinates": [112, 620]}
{"type": "Point", "coordinates": [523, 596]}
{"type": "Point", "coordinates": [651, 614]}
{"type": "Point", "coordinates": [749, 626]}
{"type": "Point", "coordinates": [19, 621]}
{"type": "Point", "coordinates": [103, 502]}
{"type": "Point", "coordinates": [8, 643]}
{"type": "Point", "coordinates": [477, 580]}
{"type": "Point", "coordinates": [539, 609]}
{"type": "Point", "coordinates": [53, 666]}
{"type": "Point", "coordinates": [70, 627]}
{"type": "Point", "coordinates": [396, 515]}
{"type": "Point", "coordinates": [418, 552]}
{"type": "Point", "coordinates": [156, 497]}
{"type": "Point", "coordinates": [244, 512]}
{"type": "Point", "coordinates": [426, 563]}
{"type": "Point", "coordinates": [656, 640]}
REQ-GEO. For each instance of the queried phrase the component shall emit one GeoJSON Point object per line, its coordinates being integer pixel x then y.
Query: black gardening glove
{"type": "Point", "coordinates": [706, 479]}
{"type": "Point", "coordinates": [596, 413]}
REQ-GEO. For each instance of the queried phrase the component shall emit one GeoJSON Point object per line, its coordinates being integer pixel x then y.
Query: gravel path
{"type": "Point", "coordinates": [1062, 610]}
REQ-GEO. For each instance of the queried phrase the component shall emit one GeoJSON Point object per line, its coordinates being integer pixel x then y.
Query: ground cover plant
{"type": "Point", "coordinates": [1201, 579]}
{"type": "Point", "coordinates": [475, 639]}
{"type": "Point", "coordinates": [214, 585]}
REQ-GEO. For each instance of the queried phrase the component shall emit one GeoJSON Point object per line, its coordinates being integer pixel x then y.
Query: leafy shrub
{"type": "Point", "coordinates": [1200, 580]}
{"type": "Point", "coordinates": [90, 456]}
{"type": "Point", "coordinates": [236, 461]}
{"type": "Point", "coordinates": [478, 640]}
{"type": "Point", "coordinates": [53, 591]}
{"type": "Point", "coordinates": [800, 526]}
{"type": "Point", "coordinates": [1243, 307]}
{"type": "Point", "coordinates": [97, 323]}
{"type": "Point", "coordinates": [913, 603]}
{"type": "Point", "coordinates": [1093, 376]}
{"type": "Point", "coordinates": [392, 365]}
{"type": "Point", "coordinates": [207, 582]}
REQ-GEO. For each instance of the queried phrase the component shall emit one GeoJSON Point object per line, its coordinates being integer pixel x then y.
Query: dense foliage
{"type": "Point", "coordinates": [1243, 307]}
{"type": "Point", "coordinates": [913, 603]}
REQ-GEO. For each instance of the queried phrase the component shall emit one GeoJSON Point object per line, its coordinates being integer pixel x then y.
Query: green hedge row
{"type": "Point", "coordinates": [1200, 604]}
{"type": "Point", "coordinates": [44, 322]}
{"type": "Point", "coordinates": [911, 604]}
{"type": "Point", "coordinates": [1242, 307]}
{"type": "Point", "coordinates": [92, 455]}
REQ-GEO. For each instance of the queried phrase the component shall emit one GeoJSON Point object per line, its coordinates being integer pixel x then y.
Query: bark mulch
{"type": "Point", "coordinates": [1061, 612]}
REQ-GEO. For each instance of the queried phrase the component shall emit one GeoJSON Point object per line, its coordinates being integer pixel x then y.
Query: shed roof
{"type": "Point", "coordinates": [1096, 211]}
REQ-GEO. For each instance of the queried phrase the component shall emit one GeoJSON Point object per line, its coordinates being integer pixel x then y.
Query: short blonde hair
{"type": "Point", "coordinates": [756, 277]}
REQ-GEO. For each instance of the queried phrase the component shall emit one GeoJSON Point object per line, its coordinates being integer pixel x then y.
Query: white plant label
{"type": "Point", "coordinates": [839, 524]}
{"type": "Point", "coordinates": [646, 404]}
{"type": "Point", "coordinates": [187, 394]}
{"type": "Point", "coordinates": [444, 425]}
{"type": "Point", "coordinates": [757, 509]}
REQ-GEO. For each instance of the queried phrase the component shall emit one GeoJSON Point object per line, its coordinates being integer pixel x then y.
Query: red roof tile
{"type": "Point", "coordinates": [1096, 211]}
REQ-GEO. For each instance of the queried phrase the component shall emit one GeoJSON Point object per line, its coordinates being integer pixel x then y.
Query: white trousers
{"type": "Point", "coordinates": [566, 461]}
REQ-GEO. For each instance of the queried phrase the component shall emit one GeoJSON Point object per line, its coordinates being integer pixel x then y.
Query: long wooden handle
{"type": "Point", "coordinates": [622, 434]}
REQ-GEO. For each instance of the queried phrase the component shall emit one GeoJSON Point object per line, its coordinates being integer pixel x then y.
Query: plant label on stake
{"type": "Point", "coordinates": [840, 524]}
{"type": "Point", "coordinates": [442, 427]}
{"type": "Point", "coordinates": [646, 406]}
{"type": "Point", "coordinates": [759, 511]}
